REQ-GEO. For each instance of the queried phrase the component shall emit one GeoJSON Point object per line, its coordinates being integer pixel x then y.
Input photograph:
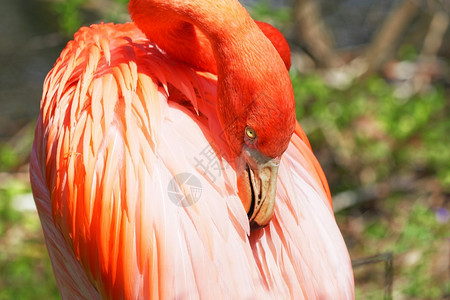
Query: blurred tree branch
{"type": "Point", "coordinates": [428, 64]}
{"type": "Point", "coordinates": [387, 37]}
{"type": "Point", "coordinates": [318, 42]}
{"type": "Point", "coordinates": [312, 31]}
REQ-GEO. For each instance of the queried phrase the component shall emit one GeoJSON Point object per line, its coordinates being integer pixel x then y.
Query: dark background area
{"type": "Point", "coordinates": [372, 85]}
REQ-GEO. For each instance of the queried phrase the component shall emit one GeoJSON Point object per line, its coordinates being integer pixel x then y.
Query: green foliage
{"type": "Point", "coordinates": [265, 11]}
{"type": "Point", "coordinates": [8, 157]}
{"type": "Point", "coordinates": [407, 52]}
{"type": "Point", "coordinates": [377, 230]}
{"type": "Point", "coordinates": [7, 214]}
{"type": "Point", "coordinates": [69, 15]}
{"type": "Point", "coordinates": [24, 262]}
{"type": "Point", "coordinates": [437, 151]}
{"type": "Point", "coordinates": [421, 234]}
{"type": "Point", "coordinates": [420, 230]}
{"type": "Point", "coordinates": [27, 273]}
{"type": "Point", "coordinates": [403, 118]}
{"type": "Point", "coordinates": [367, 136]}
{"type": "Point", "coordinates": [390, 134]}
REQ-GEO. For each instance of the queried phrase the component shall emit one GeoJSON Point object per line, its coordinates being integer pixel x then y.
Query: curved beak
{"type": "Point", "coordinates": [257, 183]}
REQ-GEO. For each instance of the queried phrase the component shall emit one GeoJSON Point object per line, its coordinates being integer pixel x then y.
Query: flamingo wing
{"type": "Point", "coordinates": [120, 127]}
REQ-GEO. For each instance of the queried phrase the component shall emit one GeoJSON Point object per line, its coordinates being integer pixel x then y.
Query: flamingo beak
{"type": "Point", "coordinates": [257, 184]}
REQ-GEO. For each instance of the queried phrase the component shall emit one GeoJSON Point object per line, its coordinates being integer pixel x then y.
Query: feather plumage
{"type": "Point", "coordinates": [115, 129]}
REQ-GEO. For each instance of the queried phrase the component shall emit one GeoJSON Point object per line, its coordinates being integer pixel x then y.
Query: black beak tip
{"type": "Point", "coordinates": [255, 226]}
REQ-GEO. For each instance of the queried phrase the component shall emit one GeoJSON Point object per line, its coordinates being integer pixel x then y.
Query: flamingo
{"type": "Point", "coordinates": [167, 163]}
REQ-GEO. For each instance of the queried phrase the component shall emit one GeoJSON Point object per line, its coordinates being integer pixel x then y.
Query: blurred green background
{"type": "Point", "coordinates": [372, 84]}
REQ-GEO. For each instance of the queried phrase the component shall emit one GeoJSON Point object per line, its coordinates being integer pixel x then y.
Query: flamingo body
{"type": "Point", "coordinates": [120, 119]}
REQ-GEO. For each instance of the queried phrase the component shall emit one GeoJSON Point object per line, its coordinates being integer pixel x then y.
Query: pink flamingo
{"type": "Point", "coordinates": [192, 88]}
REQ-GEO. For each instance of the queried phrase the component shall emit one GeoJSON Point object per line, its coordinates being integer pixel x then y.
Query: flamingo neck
{"type": "Point", "coordinates": [218, 37]}
{"type": "Point", "coordinates": [185, 29]}
{"type": "Point", "coordinates": [210, 35]}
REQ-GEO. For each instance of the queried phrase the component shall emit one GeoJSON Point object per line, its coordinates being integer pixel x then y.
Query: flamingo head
{"type": "Point", "coordinates": [258, 126]}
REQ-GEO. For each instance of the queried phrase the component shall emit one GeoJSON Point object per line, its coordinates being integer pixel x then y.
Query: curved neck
{"type": "Point", "coordinates": [203, 32]}
{"type": "Point", "coordinates": [220, 37]}
{"type": "Point", "coordinates": [185, 29]}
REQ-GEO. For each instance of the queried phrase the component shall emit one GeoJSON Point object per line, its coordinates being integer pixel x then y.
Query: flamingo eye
{"type": "Point", "coordinates": [250, 133]}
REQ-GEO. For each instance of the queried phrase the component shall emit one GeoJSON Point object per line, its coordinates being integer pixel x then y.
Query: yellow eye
{"type": "Point", "coordinates": [250, 133]}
